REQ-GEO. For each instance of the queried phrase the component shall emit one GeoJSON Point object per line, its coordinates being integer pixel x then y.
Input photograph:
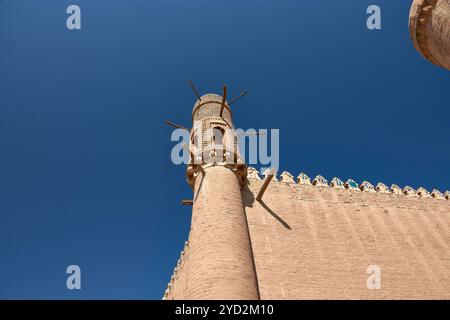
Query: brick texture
{"type": "Point", "coordinates": [429, 23]}
{"type": "Point", "coordinates": [218, 263]}
{"type": "Point", "coordinates": [317, 242]}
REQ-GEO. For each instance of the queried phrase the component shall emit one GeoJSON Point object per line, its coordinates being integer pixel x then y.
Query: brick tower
{"type": "Point", "coordinates": [221, 264]}
{"type": "Point", "coordinates": [429, 26]}
{"type": "Point", "coordinates": [305, 238]}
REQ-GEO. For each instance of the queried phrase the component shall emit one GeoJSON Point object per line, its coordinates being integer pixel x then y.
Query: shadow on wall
{"type": "Point", "coordinates": [249, 199]}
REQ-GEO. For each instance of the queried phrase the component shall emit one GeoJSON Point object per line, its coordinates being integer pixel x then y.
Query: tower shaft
{"type": "Point", "coordinates": [220, 259]}
{"type": "Point", "coordinates": [221, 264]}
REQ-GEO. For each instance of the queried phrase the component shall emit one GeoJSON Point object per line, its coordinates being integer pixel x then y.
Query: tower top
{"type": "Point", "coordinates": [429, 26]}
{"type": "Point", "coordinates": [213, 139]}
{"type": "Point", "coordinates": [210, 105]}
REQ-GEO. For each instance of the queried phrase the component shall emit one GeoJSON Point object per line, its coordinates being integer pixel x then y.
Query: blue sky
{"type": "Point", "coordinates": [85, 170]}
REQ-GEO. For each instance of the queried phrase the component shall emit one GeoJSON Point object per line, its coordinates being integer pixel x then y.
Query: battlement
{"type": "Point", "coordinates": [179, 266]}
{"type": "Point", "coordinates": [350, 184]}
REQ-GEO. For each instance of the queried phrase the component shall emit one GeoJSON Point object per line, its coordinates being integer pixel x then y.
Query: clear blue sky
{"type": "Point", "coordinates": [85, 170]}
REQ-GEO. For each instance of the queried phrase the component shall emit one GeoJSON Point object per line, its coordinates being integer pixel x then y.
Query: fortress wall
{"type": "Point", "coordinates": [313, 242]}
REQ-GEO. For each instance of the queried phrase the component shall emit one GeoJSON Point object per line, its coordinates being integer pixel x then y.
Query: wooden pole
{"type": "Point", "coordinates": [224, 98]}
{"type": "Point", "coordinates": [265, 185]}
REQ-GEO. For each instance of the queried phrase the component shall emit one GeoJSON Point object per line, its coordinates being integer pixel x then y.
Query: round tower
{"type": "Point", "coordinates": [429, 26]}
{"type": "Point", "coordinates": [221, 264]}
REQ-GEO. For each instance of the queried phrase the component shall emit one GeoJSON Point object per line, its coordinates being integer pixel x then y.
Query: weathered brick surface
{"type": "Point", "coordinates": [429, 24]}
{"type": "Point", "coordinates": [304, 241]}
{"type": "Point", "coordinates": [218, 263]}
{"type": "Point", "coordinates": [316, 243]}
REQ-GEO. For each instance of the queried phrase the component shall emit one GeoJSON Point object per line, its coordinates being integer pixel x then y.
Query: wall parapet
{"type": "Point", "coordinates": [365, 186]}
{"type": "Point", "coordinates": [178, 266]}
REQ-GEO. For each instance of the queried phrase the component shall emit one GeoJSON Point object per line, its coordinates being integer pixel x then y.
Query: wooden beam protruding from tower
{"type": "Point", "coordinates": [194, 90]}
{"type": "Point", "coordinates": [170, 123]}
{"type": "Point", "coordinates": [243, 93]}
{"type": "Point", "coordinates": [267, 181]}
{"type": "Point", "coordinates": [224, 98]}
